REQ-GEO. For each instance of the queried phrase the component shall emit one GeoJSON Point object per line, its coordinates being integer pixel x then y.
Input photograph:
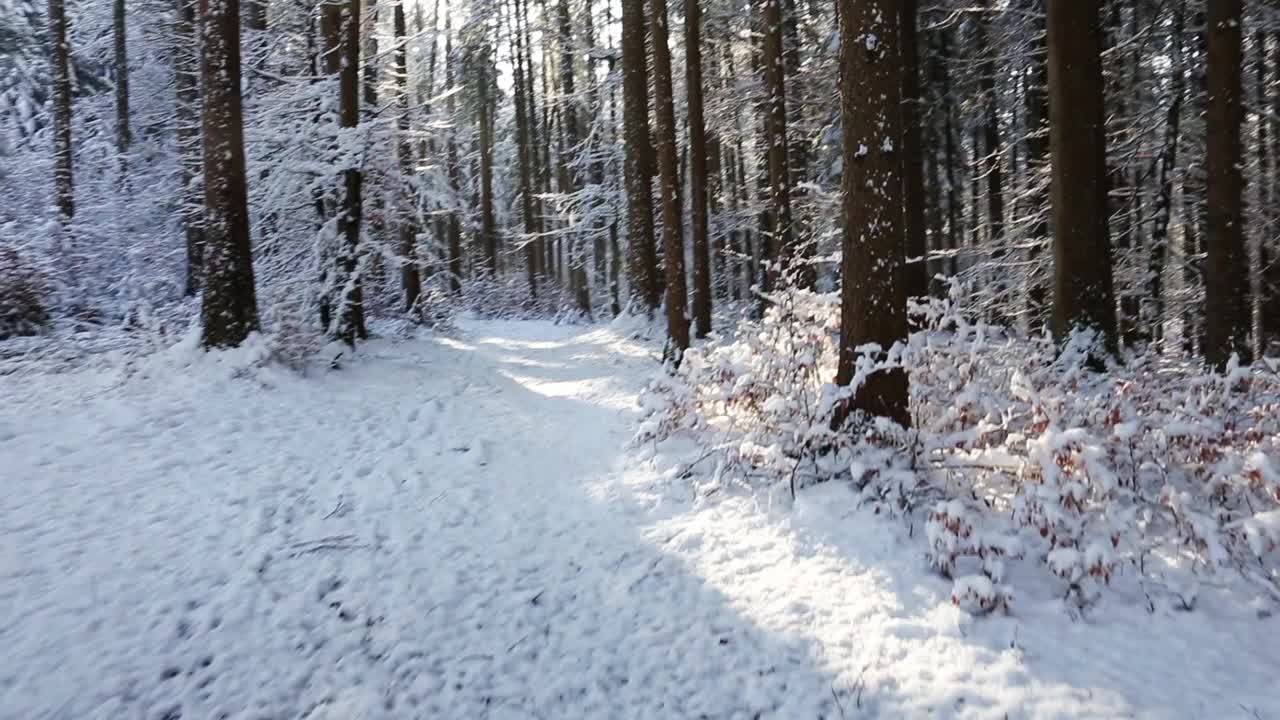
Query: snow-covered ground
{"type": "Point", "coordinates": [455, 528]}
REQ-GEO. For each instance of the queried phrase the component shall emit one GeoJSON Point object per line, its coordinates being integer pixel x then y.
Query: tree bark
{"type": "Point", "coordinates": [1154, 292]}
{"type": "Point", "coordinates": [915, 276]}
{"type": "Point", "coordinates": [991, 165]}
{"type": "Point", "coordinates": [668, 177]}
{"type": "Point", "coordinates": [642, 258]}
{"type": "Point", "coordinates": [872, 301]}
{"type": "Point", "coordinates": [1227, 311]}
{"type": "Point", "coordinates": [1037, 101]}
{"type": "Point", "coordinates": [187, 117]}
{"type": "Point", "coordinates": [698, 179]}
{"type": "Point", "coordinates": [122, 78]}
{"type": "Point", "coordinates": [488, 232]}
{"type": "Point", "coordinates": [571, 122]}
{"type": "Point", "coordinates": [229, 310]}
{"type": "Point", "coordinates": [773, 76]}
{"type": "Point", "coordinates": [341, 30]}
{"type": "Point", "coordinates": [1271, 260]}
{"type": "Point", "coordinates": [1083, 297]}
{"type": "Point", "coordinates": [455, 168]}
{"type": "Point", "coordinates": [59, 53]}
{"type": "Point", "coordinates": [410, 278]}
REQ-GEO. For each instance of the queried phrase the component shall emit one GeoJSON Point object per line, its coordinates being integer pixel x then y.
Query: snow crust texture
{"type": "Point", "coordinates": [450, 528]}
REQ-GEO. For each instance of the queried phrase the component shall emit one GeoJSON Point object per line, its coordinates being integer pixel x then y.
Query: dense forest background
{"type": "Point", "coordinates": [1003, 264]}
{"type": "Point", "coordinates": [476, 153]}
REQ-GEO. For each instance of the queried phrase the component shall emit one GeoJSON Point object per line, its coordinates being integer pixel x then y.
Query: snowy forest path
{"type": "Point", "coordinates": [426, 533]}
{"type": "Point", "coordinates": [454, 528]}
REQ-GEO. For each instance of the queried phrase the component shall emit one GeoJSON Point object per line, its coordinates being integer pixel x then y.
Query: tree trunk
{"type": "Point", "coordinates": [341, 31]}
{"type": "Point", "coordinates": [1227, 272]}
{"type": "Point", "coordinates": [872, 302]}
{"type": "Point", "coordinates": [410, 279]}
{"type": "Point", "coordinates": [1271, 258]}
{"type": "Point", "coordinates": [122, 79]}
{"type": "Point", "coordinates": [255, 15]}
{"type": "Point", "coordinates": [951, 159]}
{"type": "Point", "coordinates": [773, 77]}
{"type": "Point", "coordinates": [991, 167]}
{"type": "Point", "coordinates": [642, 255]}
{"type": "Point", "coordinates": [455, 168]}
{"type": "Point", "coordinates": [488, 233]}
{"type": "Point", "coordinates": [668, 178]}
{"type": "Point", "coordinates": [570, 120]}
{"type": "Point", "coordinates": [1154, 292]}
{"type": "Point", "coordinates": [59, 53]}
{"type": "Point", "coordinates": [187, 118]}
{"type": "Point", "coordinates": [1083, 297]}
{"type": "Point", "coordinates": [371, 59]}
{"type": "Point", "coordinates": [229, 311]}
{"type": "Point", "coordinates": [524, 150]}
{"type": "Point", "coordinates": [697, 169]}
{"type": "Point", "coordinates": [915, 278]}
{"type": "Point", "coordinates": [1037, 101]}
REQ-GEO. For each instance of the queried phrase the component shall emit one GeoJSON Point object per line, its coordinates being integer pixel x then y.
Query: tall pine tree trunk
{"type": "Point", "coordinates": [668, 179]}
{"type": "Point", "coordinates": [122, 78]}
{"type": "Point", "coordinates": [642, 255]}
{"type": "Point", "coordinates": [915, 278]}
{"type": "Point", "coordinates": [59, 53]}
{"type": "Point", "coordinates": [698, 179]}
{"type": "Point", "coordinates": [1155, 290]}
{"type": "Point", "coordinates": [341, 33]}
{"type": "Point", "coordinates": [410, 279]}
{"type": "Point", "coordinates": [872, 301]}
{"type": "Point", "coordinates": [1037, 101]}
{"type": "Point", "coordinates": [488, 231]}
{"type": "Point", "coordinates": [773, 76]}
{"type": "Point", "coordinates": [1083, 297]}
{"type": "Point", "coordinates": [1227, 311]}
{"type": "Point", "coordinates": [991, 166]}
{"type": "Point", "coordinates": [229, 311]}
{"type": "Point", "coordinates": [187, 118]}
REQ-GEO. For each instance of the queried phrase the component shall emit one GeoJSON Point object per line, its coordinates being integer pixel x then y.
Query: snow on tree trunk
{"type": "Point", "coordinates": [229, 310]}
{"type": "Point", "coordinates": [63, 185]}
{"type": "Point", "coordinates": [872, 302]}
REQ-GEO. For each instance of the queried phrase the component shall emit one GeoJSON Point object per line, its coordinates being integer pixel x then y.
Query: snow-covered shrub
{"type": "Point", "coordinates": [1157, 469]}
{"type": "Point", "coordinates": [23, 293]}
{"type": "Point", "coordinates": [763, 402]}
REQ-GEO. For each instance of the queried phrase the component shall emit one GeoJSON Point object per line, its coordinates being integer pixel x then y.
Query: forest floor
{"type": "Point", "coordinates": [456, 527]}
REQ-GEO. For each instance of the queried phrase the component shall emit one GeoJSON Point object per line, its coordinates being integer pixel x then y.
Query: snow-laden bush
{"type": "Point", "coordinates": [1156, 469]}
{"type": "Point", "coordinates": [23, 291]}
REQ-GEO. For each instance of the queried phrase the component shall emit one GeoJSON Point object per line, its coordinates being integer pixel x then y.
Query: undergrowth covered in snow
{"type": "Point", "coordinates": [1156, 471]}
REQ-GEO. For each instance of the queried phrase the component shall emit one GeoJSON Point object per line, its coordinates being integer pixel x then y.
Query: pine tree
{"type": "Point", "coordinates": [668, 179]}
{"type": "Point", "coordinates": [698, 177]}
{"type": "Point", "coordinates": [773, 76]}
{"type": "Point", "coordinates": [1227, 311]}
{"type": "Point", "coordinates": [187, 120]}
{"type": "Point", "coordinates": [872, 300]}
{"type": "Point", "coordinates": [410, 279]}
{"type": "Point", "coordinates": [1083, 296]}
{"type": "Point", "coordinates": [122, 77]}
{"type": "Point", "coordinates": [642, 262]}
{"type": "Point", "coordinates": [915, 277]}
{"type": "Point", "coordinates": [59, 53]}
{"type": "Point", "coordinates": [340, 26]}
{"type": "Point", "coordinates": [229, 311]}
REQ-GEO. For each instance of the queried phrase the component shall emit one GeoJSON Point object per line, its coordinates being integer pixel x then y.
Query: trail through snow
{"type": "Point", "coordinates": [453, 528]}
